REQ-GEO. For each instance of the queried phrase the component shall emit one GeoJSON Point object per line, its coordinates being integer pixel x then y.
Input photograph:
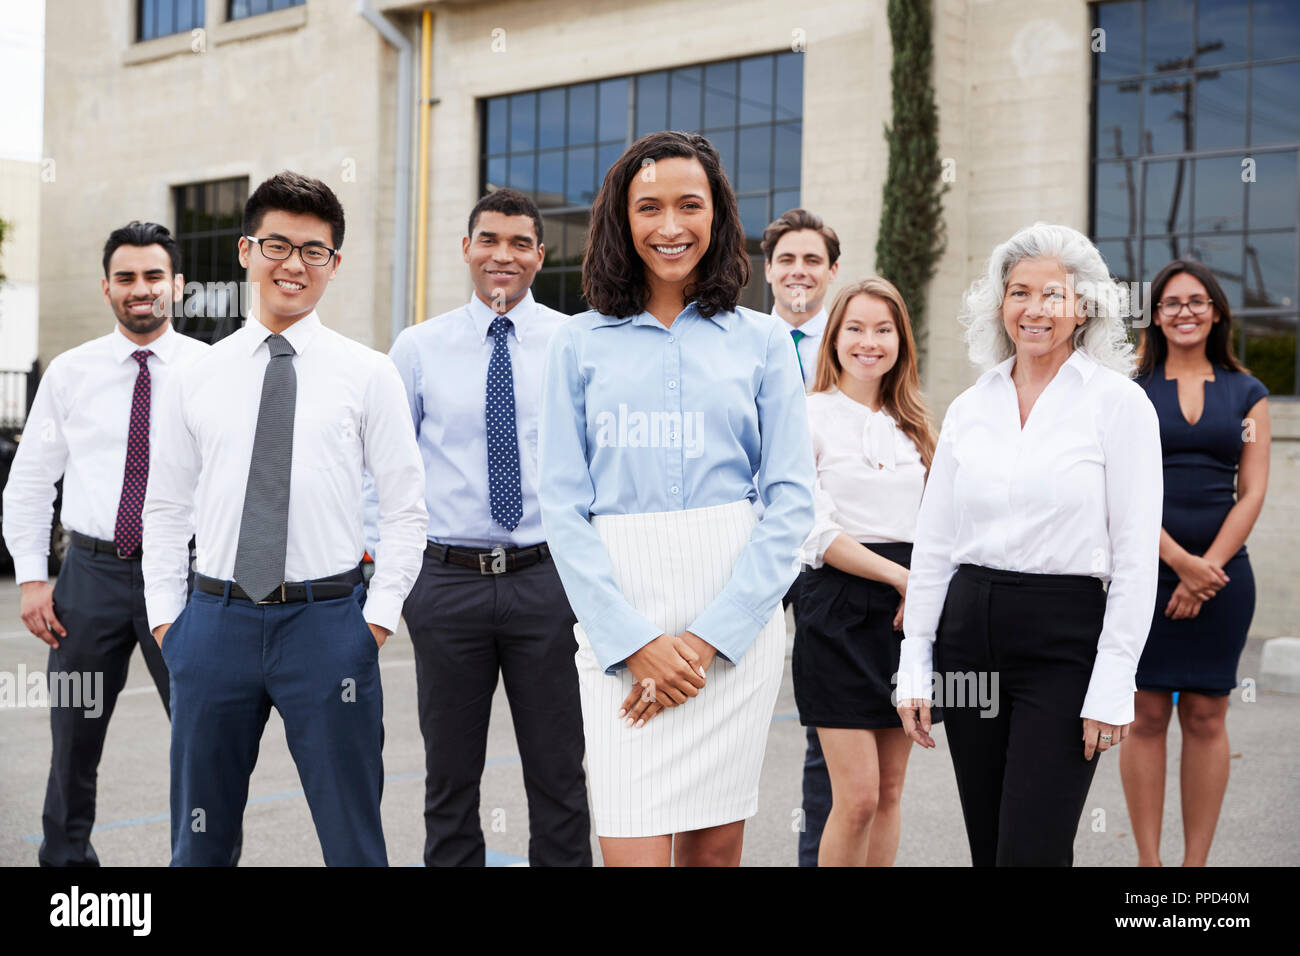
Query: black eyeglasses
{"type": "Point", "coordinates": [312, 254]}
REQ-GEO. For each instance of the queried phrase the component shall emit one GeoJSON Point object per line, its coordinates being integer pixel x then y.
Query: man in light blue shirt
{"type": "Point", "coordinates": [488, 599]}
{"type": "Point", "coordinates": [800, 260]}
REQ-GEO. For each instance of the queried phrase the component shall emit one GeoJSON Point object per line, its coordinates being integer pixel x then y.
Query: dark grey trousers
{"type": "Point", "coordinates": [466, 628]}
{"type": "Point", "coordinates": [99, 600]}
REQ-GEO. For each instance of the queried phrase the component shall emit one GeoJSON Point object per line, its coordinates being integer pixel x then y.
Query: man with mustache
{"type": "Point", "coordinates": [90, 425]}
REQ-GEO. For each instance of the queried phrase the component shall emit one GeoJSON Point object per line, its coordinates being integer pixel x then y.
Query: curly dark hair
{"type": "Point", "coordinates": [613, 275]}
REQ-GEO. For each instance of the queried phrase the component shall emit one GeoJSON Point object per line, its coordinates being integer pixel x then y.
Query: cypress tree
{"type": "Point", "coordinates": [912, 236]}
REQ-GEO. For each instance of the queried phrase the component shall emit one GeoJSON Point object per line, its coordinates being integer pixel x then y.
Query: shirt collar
{"type": "Point", "coordinates": [164, 347]}
{"type": "Point", "coordinates": [299, 334]}
{"type": "Point", "coordinates": [810, 329]}
{"type": "Point", "coordinates": [481, 314]}
{"type": "Point", "coordinates": [1083, 363]}
{"type": "Point", "coordinates": [722, 319]}
{"type": "Point", "coordinates": [1080, 361]}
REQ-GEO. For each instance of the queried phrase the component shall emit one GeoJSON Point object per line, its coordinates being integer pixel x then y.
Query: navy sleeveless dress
{"type": "Point", "coordinates": [1200, 472]}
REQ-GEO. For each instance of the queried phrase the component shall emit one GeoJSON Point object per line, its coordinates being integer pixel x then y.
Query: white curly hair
{"type": "Point", "coordinates": [1103, 300]}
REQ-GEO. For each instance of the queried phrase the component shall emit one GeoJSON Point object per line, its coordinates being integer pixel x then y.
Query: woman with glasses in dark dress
{"type": "Point", "coordinates": [1214, 433]}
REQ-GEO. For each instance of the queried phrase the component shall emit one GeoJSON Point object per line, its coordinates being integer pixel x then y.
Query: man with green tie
{"type": "Point", "coordinates": [800, 260]}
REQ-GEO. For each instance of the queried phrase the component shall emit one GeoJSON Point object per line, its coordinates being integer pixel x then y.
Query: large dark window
{"type": "Point", "coordinates": [238, 9]}
{"type": "Point", "coordinates": [159, 18]}
{"type": "Point", "coordinates": [556, 145]}
{"type": "Point", "coordinates": [209, 217]}
{"type": "Point", "coordinates": [1195, 142]}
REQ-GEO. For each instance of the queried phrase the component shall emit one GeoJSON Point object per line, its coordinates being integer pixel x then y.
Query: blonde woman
{"type": "Point", "coordinates": [872, 442]}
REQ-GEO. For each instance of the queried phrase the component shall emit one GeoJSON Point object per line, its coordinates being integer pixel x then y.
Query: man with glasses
{"type": "Point", "coordinates": [266, 440]}
{"type": "Point", "coordinates": [90, 425]}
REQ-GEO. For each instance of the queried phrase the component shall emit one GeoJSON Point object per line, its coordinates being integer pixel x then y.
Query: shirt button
{"type": "Point", "coordinates": [674, 489]}
{"type": "Point", "coordinates": [672, 383]}
{"type": "Point", "coordinates": [671, 339]}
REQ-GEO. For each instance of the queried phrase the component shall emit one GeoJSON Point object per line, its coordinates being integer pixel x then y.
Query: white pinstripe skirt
{"type": "Point", "coordinates": [696, 765]}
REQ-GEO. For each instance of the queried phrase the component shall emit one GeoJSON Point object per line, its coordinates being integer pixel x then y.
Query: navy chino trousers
{"type": "Point", "coordinates": [317, 663]}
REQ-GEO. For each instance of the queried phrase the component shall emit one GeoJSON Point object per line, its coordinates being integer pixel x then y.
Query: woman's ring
{"type": "Point", "coordinates": [1106, 738]}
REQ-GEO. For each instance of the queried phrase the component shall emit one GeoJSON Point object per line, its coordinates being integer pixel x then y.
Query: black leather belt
{"type": "Point", "coordinates": [98, 546]}
{"type": "Point", "coordinates": [496, 561]}
{"type": "Point", "coordinates": [322, 589]}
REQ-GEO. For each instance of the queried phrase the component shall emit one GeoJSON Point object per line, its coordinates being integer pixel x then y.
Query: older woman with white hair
{"type": "Point", "coordinates": [1034, 566]}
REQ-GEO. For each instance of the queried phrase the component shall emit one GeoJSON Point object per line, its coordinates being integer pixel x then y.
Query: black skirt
{"type": "Point", "coordinates": [1200, 654]}
{"type": "Point", "coordinates": [845, 660]}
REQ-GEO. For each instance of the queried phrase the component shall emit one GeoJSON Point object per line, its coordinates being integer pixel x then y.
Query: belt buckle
{"type": "Point", "coordinates": [271, 600]}
{"type": "Point", "coordinates": [498, 558]}
{"type": "Point", "coordinates": [124, 557]}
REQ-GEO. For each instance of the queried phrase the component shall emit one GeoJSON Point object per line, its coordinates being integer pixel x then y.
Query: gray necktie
{"type": "Point", "coordinates": [264, 525]}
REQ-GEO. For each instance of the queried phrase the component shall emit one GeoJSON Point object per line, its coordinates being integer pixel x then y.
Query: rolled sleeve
{"type": "Point", "coordinates": [825, 528]}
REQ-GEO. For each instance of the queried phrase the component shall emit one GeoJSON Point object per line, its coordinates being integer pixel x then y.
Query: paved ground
{"type": "Point", "coordinates": [132, 825]}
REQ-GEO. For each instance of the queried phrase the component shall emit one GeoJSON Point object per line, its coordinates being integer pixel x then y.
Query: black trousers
{"type": "Point", "coordinates": [1014, 653]}
{"type": "Point", "coordinates": [99, 600]}
{"type": "Point", "coordinates": [816, 778]}
{"type": "Point", "coordinates": [466, 628]}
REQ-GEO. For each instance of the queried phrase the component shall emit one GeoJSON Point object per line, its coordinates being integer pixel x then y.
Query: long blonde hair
{"type": "Point", "coordinates": [900, 387]}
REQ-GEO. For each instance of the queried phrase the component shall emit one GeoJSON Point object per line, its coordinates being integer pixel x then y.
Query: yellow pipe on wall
{"type": "Point", "coordinates": [422, 167]}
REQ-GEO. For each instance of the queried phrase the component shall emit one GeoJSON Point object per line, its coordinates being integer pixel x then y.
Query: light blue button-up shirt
{"type": "Point", "coordinates": [638, 418]}
{"type": "Point", "coordinates": [443, 363]}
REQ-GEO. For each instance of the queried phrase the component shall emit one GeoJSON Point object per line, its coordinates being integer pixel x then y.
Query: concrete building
{"type": "Point", "coordinates": [179, 106]}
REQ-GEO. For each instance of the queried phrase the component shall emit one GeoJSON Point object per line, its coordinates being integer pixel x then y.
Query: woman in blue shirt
{"type": "Point", "coordinates": [666, 411]}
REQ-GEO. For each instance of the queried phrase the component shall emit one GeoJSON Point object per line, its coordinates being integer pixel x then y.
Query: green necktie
{"type": "Point", "coordinates": [798, 337]}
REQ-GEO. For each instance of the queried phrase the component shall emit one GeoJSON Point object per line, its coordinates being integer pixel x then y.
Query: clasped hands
{"type": "Point", "coordinates": [1198, 581]}
{"type": "Point", "coordinates": [667, 672]}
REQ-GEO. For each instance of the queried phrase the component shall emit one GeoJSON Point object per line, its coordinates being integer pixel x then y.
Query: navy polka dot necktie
{"type": "Point", "coordinates": [135, 478]}
{"type": "Point", "coordinates": [504, 494]}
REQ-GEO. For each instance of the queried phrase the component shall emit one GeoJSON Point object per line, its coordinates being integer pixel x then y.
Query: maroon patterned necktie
{"type": "Point", "coordinates": [126, 536]}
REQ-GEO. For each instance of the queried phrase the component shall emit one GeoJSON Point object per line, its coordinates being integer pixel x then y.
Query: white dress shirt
{"type": "Point", "coordinates": [350, 415]}
{"type": "Point", "coordinates": [809, 345]}
{"type": "Point", "coordinates": [869, 475]}
{"type": "Point", "coordinates": [1078, 490]}
{"type": "Point", "coordinates": [77, 429]}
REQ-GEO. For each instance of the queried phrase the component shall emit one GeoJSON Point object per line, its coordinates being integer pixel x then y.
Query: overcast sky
{"type": "Point", "coordinates": [22, 66]}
